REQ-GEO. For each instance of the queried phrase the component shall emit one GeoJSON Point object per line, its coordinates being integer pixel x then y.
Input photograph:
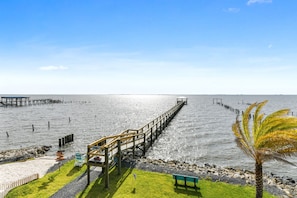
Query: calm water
{"type": "Point", "coordinates": [200, 133]}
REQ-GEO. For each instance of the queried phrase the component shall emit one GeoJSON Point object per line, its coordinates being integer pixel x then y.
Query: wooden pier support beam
{"type": "Point", "coordinates": [88, 166]}
{"type": "Point", "coordinates": [144, 145]}
{"type": "Point", "coordinates": [119, 157]}
{"type": "Point", "coordinates": [133, 149]}
{"type": "Point", "coordinates": [106, 170]}
{"type": "Point", "coordinates": [151, 136]}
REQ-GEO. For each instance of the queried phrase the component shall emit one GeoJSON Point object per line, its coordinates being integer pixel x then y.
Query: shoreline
{"type": "Point", "coordinates": [276, 185]}
{"type": "Point", "coordinates": [13, 167]}
{"type": "Point", "coordinates": [23, 154]}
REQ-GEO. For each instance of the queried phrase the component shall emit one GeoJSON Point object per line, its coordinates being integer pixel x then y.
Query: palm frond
{"type": "Point", "coordinates": [241, 139]}
{"type": "Point", "coordinates": [280, 124]}
{"type": "Point", "coordinates": [273, 120]}
{"type": "Point", "coordinates": [258, 118]}
{"type": "Point", "coordinates": [247, 150]}
{"type": "Point", "coordinates": [267, 155]}
{"type": "Point", "coordinates": [277, 139]}
{"type": "Point", "coordinates": [245, 121]}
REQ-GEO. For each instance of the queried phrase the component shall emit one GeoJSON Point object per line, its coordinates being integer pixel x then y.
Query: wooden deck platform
{"type": "Point", "coordinates": [18, 101]}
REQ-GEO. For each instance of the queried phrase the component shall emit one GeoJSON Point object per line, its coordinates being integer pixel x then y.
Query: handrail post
{"type": "Point", "coordinates": [152, 136]}
{"type": "Point", "coordinates": [144, 144]}
{"type": "Point", "coordinates": [88, 165]}
{"type": "Point", "coordinates": [133, 147]}
{"type": "Point", "coordinates": [106, 168]}
{"type": "Point", "coordinates": [119, 156]}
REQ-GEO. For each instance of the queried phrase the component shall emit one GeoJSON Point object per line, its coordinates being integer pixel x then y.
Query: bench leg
{"type": "Point", "coordinates": [175, 182]}
{"type": "Point", "coordinates": [186, 184]}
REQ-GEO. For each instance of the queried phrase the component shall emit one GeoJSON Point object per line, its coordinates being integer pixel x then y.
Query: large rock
{"type": "Point", "coordinates": [23, 153]}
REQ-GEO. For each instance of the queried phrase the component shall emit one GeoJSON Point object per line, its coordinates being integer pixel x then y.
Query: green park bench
{"type": "Point", "coordinates": [185, 179]}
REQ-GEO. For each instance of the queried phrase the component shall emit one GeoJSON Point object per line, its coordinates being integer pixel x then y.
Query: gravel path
{"type": "Point", "coordinates": [77, 185]}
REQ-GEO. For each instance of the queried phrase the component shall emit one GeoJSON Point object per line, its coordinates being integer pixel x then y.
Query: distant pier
{"type": "Point", "coordinates": [18, 101]}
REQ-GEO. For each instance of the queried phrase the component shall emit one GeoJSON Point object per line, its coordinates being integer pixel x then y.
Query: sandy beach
{"type": "Point", "coordinates": [14, 171]}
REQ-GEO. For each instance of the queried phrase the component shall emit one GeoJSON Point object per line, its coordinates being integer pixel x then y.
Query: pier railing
{"type": "Point", "coordinates": [18, 101]}
{"type": "Point", "coordinates": [110, 150]}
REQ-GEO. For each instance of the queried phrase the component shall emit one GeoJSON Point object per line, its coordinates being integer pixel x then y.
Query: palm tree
{"type": "Point", "coordinates": [272, 137]}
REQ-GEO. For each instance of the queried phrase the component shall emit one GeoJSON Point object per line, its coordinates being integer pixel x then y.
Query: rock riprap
{"type": "Point", "coordinates": [284, 187]}
{"type": "Point", "coordinates": [14, 155]}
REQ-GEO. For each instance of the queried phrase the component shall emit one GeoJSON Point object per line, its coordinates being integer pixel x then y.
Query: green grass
{"type": "Point", "coordinates": [151, 184]}
{"type": "Point", "coordinates": [146, 184]}
{"type": "Point", "coordinates": [50, 183]}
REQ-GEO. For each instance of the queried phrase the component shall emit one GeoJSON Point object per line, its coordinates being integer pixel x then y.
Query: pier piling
{"type": "Point", "coordinates": [65, 140]}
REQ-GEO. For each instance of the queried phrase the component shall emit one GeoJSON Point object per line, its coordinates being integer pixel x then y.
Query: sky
{"type": "Point", "coordinates": [148, 47]}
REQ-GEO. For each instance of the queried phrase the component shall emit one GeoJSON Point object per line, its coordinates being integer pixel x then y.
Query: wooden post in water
{"type": "Point", "coordinates": [106, 168]}
{"type": "Point", "coordinates": [119, 157]}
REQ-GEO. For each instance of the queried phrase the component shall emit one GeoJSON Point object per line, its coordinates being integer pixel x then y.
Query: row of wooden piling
{"type": "Point", "coordinates": [48, 125]}
{"type": "Point", "coordinates": [65, 140]}
{"type": "Point", "coordinates": [218, 101]}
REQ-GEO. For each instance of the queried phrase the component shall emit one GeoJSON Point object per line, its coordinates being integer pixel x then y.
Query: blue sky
{"type": "Point", "coordinates": [148, 47]}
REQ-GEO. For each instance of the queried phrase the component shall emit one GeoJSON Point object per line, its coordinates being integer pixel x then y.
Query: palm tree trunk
{"type": "Point", "coordinates": [259, 180]}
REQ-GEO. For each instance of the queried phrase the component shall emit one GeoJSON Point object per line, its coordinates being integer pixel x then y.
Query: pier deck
{"type": "Point", "coordinates": [110, 150]}
{"type": "Point", "coordinates": [18, 101]}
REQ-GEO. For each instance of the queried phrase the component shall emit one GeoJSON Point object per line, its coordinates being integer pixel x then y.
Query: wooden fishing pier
{"type": "Point", "coordinates": [18, 101]}
{"type": "Point", "coordinates": [109, 151]}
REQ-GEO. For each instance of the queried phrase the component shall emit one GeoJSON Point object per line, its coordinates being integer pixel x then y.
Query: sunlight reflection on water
{"type": "Point", "coordinates": [201, 132]}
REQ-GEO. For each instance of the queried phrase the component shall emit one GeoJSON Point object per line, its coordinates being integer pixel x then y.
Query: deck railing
{"type": "Point", "coordinates": [109, 149]}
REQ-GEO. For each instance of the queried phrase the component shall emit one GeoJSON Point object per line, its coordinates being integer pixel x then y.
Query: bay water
{"type": "Point", "coordinates": [200, 133]}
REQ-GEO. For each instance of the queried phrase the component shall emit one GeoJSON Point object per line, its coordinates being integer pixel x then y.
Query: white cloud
{"type": "Point", "coordinates": [232, 10]}
{"type": "Point", "coordinates": [250, 2]}
{"type": "Point", "coordinates": [51, 68]}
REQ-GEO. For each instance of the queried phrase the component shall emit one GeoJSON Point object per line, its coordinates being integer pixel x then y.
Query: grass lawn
{"type": "Point", "coordinates": [50, 183]}
{"type": "Point", "coordinates": [146, 184]}
{"type": "Point", "coordinates": [151, 184]}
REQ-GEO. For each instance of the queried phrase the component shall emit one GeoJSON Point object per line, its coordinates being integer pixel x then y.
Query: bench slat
{"type": "Point", "coordinates": [185, 177]}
